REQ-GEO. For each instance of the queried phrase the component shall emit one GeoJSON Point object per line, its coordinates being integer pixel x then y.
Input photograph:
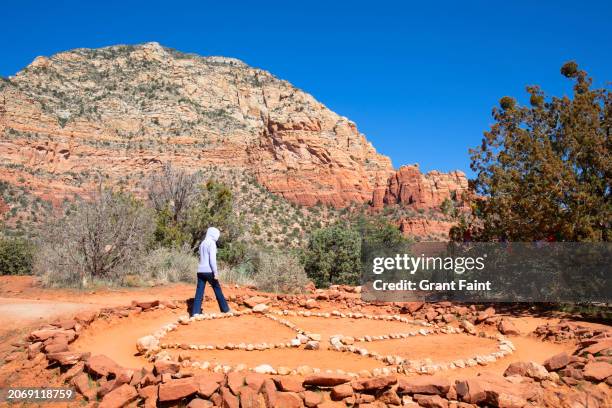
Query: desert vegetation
{"type": "Point", "coordinates": [116, 238]}
{"type": "Point", "coordinates": [544, 171]}
{"type": "Point", "coordinates": [96, 241]}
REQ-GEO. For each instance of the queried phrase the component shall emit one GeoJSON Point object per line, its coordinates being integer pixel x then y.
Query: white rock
{"type": "Point", "coordinates": [260, 308]}
{"type": "Point", "coordinates": [147, 343]}
{"type": "Point", "coordinates": [264, 369]}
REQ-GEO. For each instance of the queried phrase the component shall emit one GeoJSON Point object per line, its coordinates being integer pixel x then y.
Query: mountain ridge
{"type": "Point", "coordinates": [121, 111]}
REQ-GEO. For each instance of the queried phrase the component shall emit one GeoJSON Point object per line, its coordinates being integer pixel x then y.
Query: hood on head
{"type": "Point", "coordinates": [213, 233]}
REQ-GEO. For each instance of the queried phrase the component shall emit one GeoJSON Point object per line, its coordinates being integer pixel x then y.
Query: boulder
{"type": "Point", "coordinates": [119, 397]}
{"type": "Point", "coordinates": [66, 324]}
{"type": "Point", "coordinates": [147, 343]}
{"type": "Point", "coordinates": [200, 403]}
{"type": "Point", "coordinates": [288, 400]}
{"type": "Point", "coordinates": [507, 327]}
{"type": "Point", "coordinates": [177, 389]}
{"type": "Point", "coordinates": [228, 399]}
{"type": "Point", "coordinates": [597, 371]}
{"type": "Point", "coordinates": [489, 388]}
{"type": "Point", "coordinates": [260, 308]}
{"type": "Point", "coordinates": [431, 401]}
{"type": "Point", "coordinates": [67, 358]}
{"type": "Point", "coordinates": [557, 362]}
{"type": "Point", "coordinates": [256, 300]}
{"type": "Point", "coordinates": [326, 380]}
{"type": "Point", "coordinates": [206, 385]}
{"type": "Point", "coordinates": [254, 381]}
{"type": "Point", "coordinates": [312, 345]}
{"type": "Point", "coordinates": [341, 391]}
{"type": "Point", "coordinates": [449, 318]}
{"type": "Point", "coordinates": [148, 392]}
{"type": "Point", "coordinates": [390, 397]}
{"type": "Point", "coordinates": [411, 307]}
{"type": "Point", "coordinates": [82, 386]}
{"type": "Point", "coordinates": [374, 384]}
{"type": "Point", "coordinates": [289, 384]}
{"type": "Point", "coordinates": [340, 404]}
{"type": "Point", "coordinates": [484, 315]}
{"type": "Point", "coordinates": [169, 304]}
{"type": "Point", "coordinates": [105, 387]}
{"type": "Point", "coordinates": [468, 327]}
{"type": "Point", "coordinates": [527, 369]}
{"type": "Point", "coordinates": [86, 317]}
{"type": "Point", "coordinates": [249, 398]}
{"type": "Point", "coordinates": [145, 305]}
{"type": "Point", "coordinates": [101, 366]}
{"type": "Point", "coordinates": [34, 349]}
{"type": "Point", "coordinates": [44, 334]}
{"type": "Point", "coordinates": [312, 399]}
{"type": "Point", "coordinates": [57, 345]}
{"type": "Point", "coordinates": [72, 372]}
{"type": "Point", "coordinates": [312, 304]}
{"type": "Point", "coordinates": [431, 315]}
{"type": "Point", "coordinates": [424, 385]}
{"type": "Point", "coordinates": [598, 347]}
{"type": "Point", "coordinates": [235, 381]}
{"type": "Point", "coordinates": [165, 366]}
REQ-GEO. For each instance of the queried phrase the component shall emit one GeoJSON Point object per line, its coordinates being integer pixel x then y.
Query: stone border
{"type": "Point", "coordinates": [425, 366]}
{"type": "Point", "coordinates": [149, 346]}
{"type": "Point", "coordinates": [340, 343]}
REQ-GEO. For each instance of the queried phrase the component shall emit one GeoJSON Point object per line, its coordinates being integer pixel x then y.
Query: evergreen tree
{"type": "Point", "coordinates": [544, 171]}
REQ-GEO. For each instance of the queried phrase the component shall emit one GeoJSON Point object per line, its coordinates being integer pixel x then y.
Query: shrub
{"type": "Point", "coordinates": [16, 256]}
{"type": "Point", "coordinates": [278, 272]}
{"type": "Point", "coordinates": [185, 208]}
{"type": "Point", "coordinates": [237, 275]}
{"type": "Point", "coordinates": [164, 265]}
{"type": "Point", "coordinates": [333, 256]}
{"type": "Point", "coordinates": [96, 242]}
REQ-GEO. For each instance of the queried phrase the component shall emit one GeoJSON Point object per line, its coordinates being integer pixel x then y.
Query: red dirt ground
{"type": "Point", "coordinates": [349, 327]}
{"type": "Point", "coordinates": [241, 329]}
{"type": "Point", "coordinates": [24, 305]}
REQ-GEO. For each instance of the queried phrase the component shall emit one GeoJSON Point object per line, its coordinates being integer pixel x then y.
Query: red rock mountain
{"type": "Point", "coordinates": [119, 112]}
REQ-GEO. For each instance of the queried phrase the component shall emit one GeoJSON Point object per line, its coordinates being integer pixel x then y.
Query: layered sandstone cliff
{"type": "Point", "coordinates": [409, 187]}
{"type": "Point", "coordinates": [116, 113]}
{"type": "Point", "coordinates": [126, 108]}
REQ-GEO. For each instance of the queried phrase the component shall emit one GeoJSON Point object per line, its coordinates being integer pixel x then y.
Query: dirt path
{"type": "Point", "coordinates": [18, 312]}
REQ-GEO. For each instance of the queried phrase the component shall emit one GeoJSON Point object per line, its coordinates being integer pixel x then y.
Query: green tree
{"type": "Point", "coordinates": [333, 256]}
{"type": "Point", "coordinates": [377, 231]}
{"type": "Point", "coordinates": [16, 256]}
{"type": "Point", "coordinates": [544, 171]}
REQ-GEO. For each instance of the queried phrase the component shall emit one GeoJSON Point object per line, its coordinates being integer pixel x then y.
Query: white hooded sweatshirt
{"type": "Point", "coordinates": [208, 252]}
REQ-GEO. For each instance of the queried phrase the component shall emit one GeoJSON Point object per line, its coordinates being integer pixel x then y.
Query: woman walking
{"type": "Point", "coordinates": [207, 272]}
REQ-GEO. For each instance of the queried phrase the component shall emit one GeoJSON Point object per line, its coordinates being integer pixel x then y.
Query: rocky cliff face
{"type": "Point", "coordinates": [123, 109]}
{"type": "Point", "coordinates": [116, 113]}
{"type": "Point", "coordinates": [409, 187]}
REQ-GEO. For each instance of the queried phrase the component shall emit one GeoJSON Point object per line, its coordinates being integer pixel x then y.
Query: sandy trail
{"type": "Point", "coordinates": [17, 312]}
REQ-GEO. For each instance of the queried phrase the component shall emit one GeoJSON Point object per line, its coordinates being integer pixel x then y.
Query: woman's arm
{"type": "Point", "coordinates": [212, 260]}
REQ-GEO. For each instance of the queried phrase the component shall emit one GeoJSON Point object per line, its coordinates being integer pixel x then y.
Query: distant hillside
{"type": "Point", "coordinates": [120, 112]}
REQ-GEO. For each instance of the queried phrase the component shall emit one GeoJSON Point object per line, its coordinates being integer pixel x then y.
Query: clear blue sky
{"type": "Point", "coordinates": [418, 79]}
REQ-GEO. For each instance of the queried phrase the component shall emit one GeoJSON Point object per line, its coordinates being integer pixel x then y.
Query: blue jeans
{"type": "Point", "coordinates": [197, 301]}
